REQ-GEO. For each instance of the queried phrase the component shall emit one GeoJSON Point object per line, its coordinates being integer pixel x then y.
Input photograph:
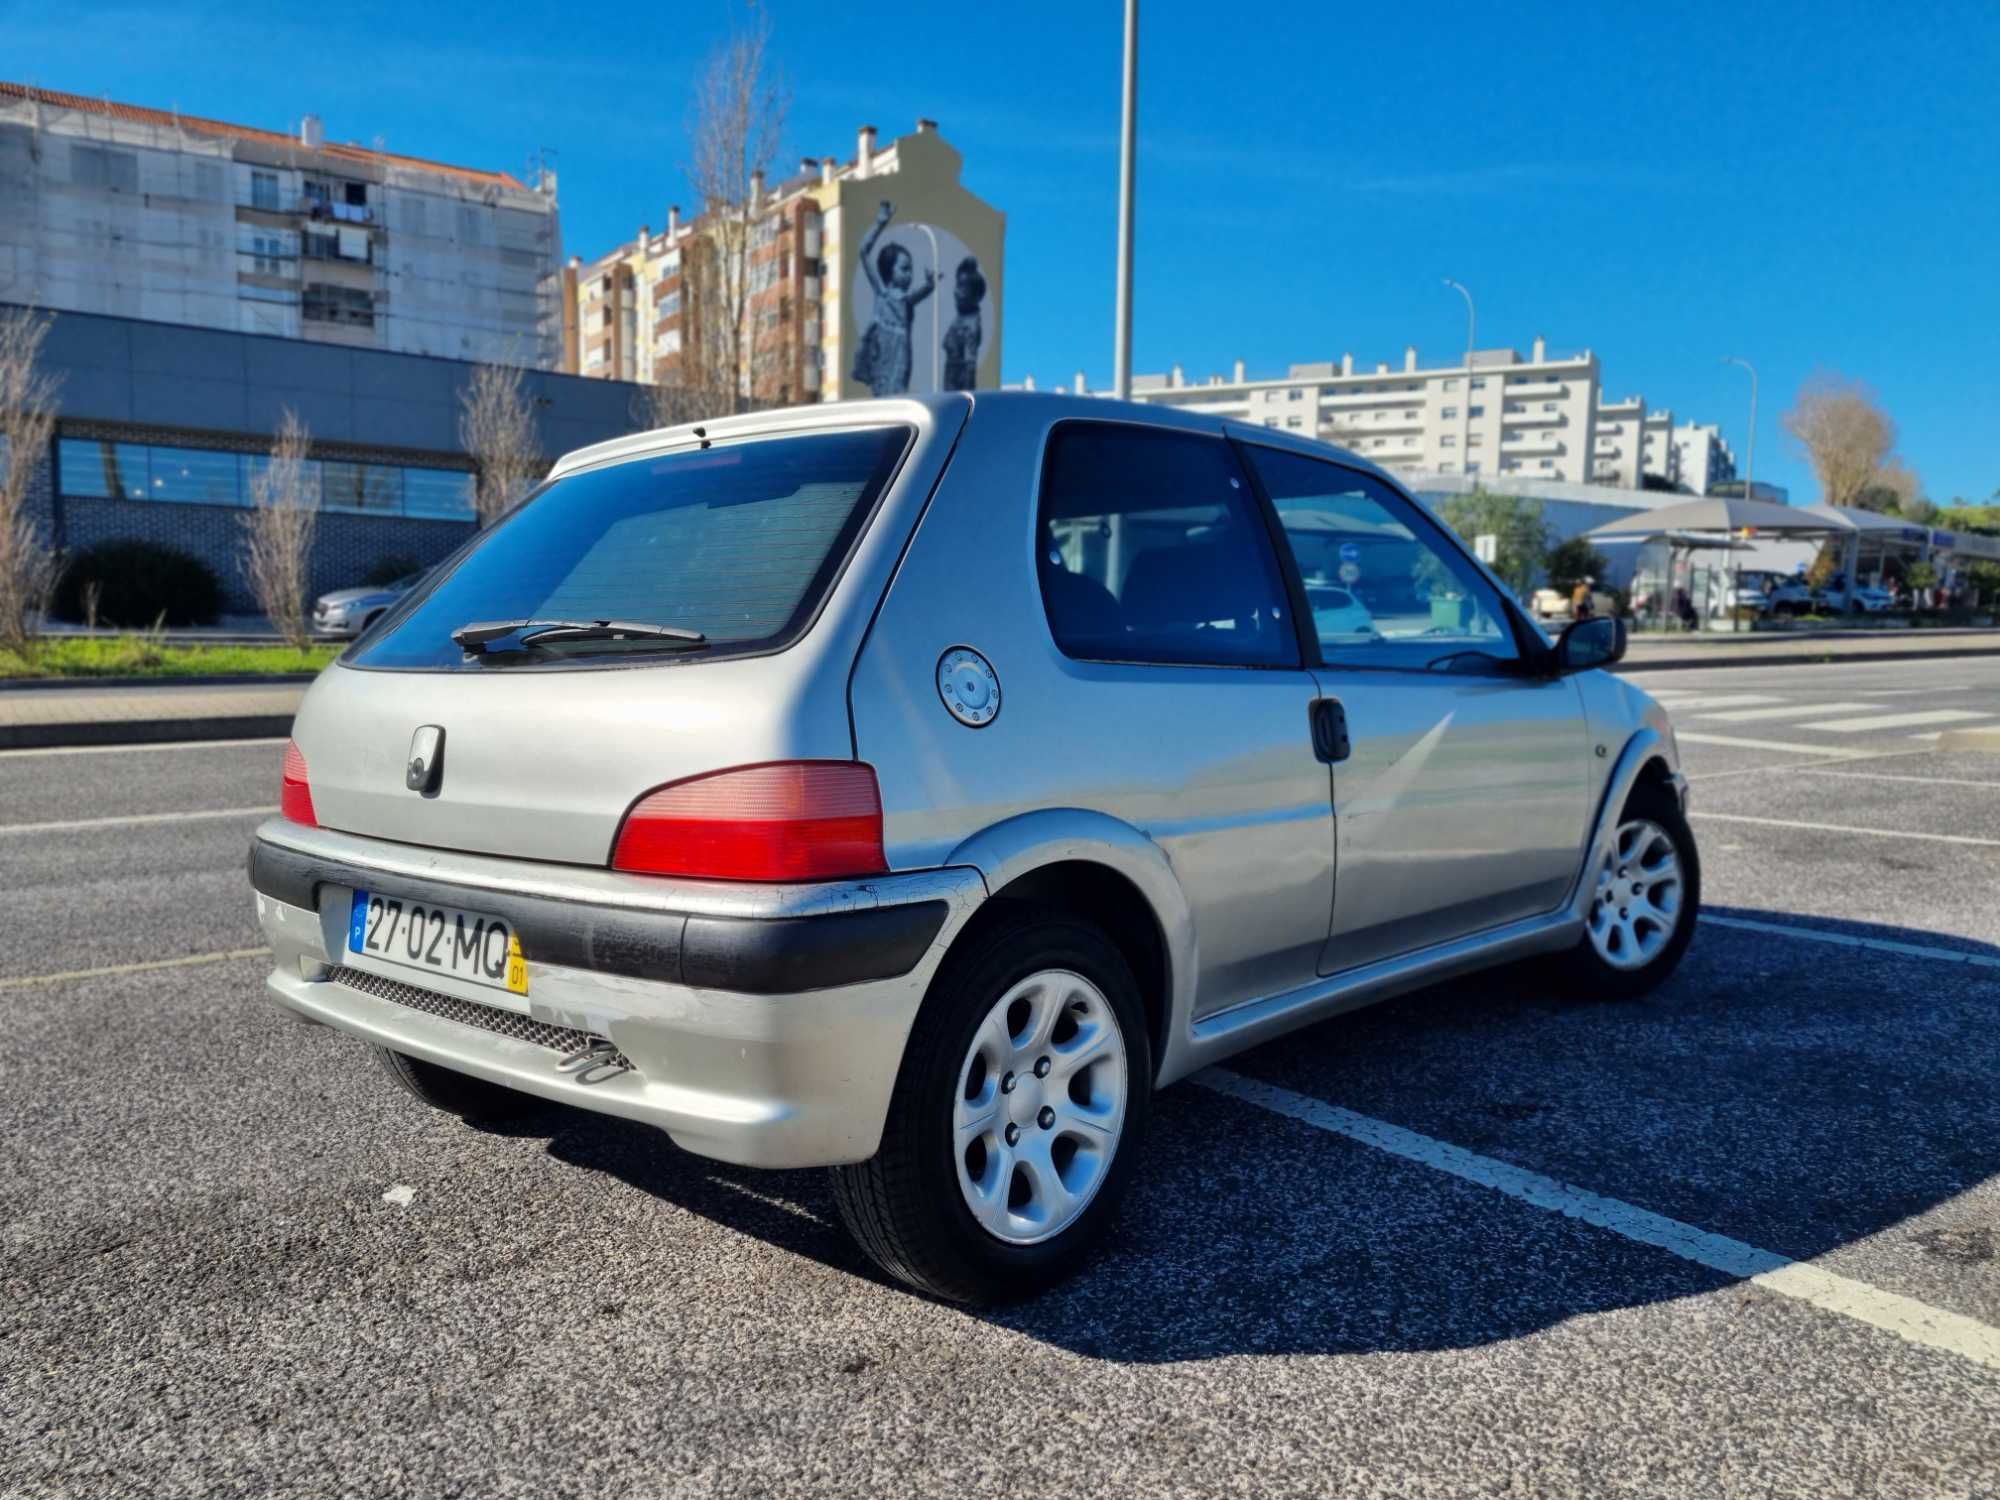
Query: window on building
{"type": "Point", "coordinates": [264, 191]}
{"type": "Point", "coordinates": [1479, 382]}
{"type": "Point", "coordinates": [1295, 394]}
{"type": "Point", "coordinates": [350, 306]}
{"type": "Point", "coordinates": [1475, 440]}
{"type": "Point", "coordinates": [1292, 422]}
{"type": "Point", "coordinates": [1447, 468]}
{"type": "Point", "coordinates": [1449, 413]}
{"type": "Point", "coordinates": [668, 305]}
{"type": "Point", "coordinates": [1548, 463]}
{"type": "Point", "coordinates": [1472, 466]}
{"type": "Point", "coordinates": [1449, 440]}
{"type": "Point", "coordinates": [1451, 385]}
{"type": "Point", "coordinates": [93, 469]}
{"type": "Point", "coordinates": [1548, 406]}
{"type": "Point", "coordinates": [1475, 412]}
{"type": "Point", "coordinates": [1154, 551]}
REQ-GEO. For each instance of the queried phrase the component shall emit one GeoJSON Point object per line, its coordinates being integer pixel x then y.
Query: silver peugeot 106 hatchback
{"type": "Point", "coordinates": [911, 787]}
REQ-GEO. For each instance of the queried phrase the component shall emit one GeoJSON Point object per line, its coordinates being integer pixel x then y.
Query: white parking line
{"type": "Point", "coordinates": [130, 749]}
{"type": "Point", "coordinates": [135, 820]}
{"type": "Point", "coordinates": [1880, 833]}
{"type": "Point", "coordinates": [1905, 1317]}
{"type": "Point", "coordinates": [1848, 940]}
{"type": "Point", "coordinates": [1785, 711]}
{"type": "Point", "coordinates": [192, 960]}
{"type": "Point", "coordinates": [1898, 721]}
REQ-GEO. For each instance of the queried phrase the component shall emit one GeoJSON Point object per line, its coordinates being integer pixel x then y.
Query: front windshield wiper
{"type": "Point", "coordinates": [479, 637]}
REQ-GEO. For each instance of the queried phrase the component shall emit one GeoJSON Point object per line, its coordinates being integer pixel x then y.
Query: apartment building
{"type": "Point", "coordinates": [656, 309]}
{"type": "Point", "coordinates": [1496, 414]}
{"type": "Point", "coordinates": [1702, 459]}
{"type": "Point", "coordinates": [127, 211]}
{"type": "Point", "coordinates": [1618, 453]}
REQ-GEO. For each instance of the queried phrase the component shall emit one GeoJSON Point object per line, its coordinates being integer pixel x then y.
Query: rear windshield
{"type": "Point", "coordinates": [739, 542]}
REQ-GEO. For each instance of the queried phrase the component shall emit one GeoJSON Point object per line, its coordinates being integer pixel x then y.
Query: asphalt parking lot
{"type": "Point", "coordinates": [1740, 1238]}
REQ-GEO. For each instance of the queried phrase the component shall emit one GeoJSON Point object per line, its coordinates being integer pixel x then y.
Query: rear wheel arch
{"type": "Point", "coordinates": [1110, 902]}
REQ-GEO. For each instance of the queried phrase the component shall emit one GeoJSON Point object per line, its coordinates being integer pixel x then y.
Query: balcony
{"type": "Point", "coordinates": [1546, 440]}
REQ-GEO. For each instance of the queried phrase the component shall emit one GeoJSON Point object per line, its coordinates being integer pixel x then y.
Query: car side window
{"type": "Point", "coordinates": [1152, 548]}
{"type": "Point", "coordinates": [1386, 587]}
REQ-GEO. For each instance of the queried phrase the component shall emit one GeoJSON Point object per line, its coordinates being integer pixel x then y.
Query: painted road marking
{"type": "Point", "coordinates": [136, 820]}
{"type": "Point", "coordinates": [1905, 1317]}
{"type": "Point", "coordinates": [1880, 833]}
{"type": "Point", "coordinates": [1831, 751]}
{"type": "Point", "coordinates": [1848, 940]}
{"type": "Point", "coordinates": [1991, 786]}
{"type": "Point", "coordinates": [1899, 721]}
{"type": "Point", "coordinates": [1707, 701]}
{"type": "Point", "coordinates": [1787, 711]}
{"type": "Point", "coordinates": [129, 749]}
{"type": "Point", "coordinates": [192, 960]}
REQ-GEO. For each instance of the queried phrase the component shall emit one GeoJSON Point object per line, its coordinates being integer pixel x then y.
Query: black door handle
{"type": "Point", "coordinates": [1329, 730]}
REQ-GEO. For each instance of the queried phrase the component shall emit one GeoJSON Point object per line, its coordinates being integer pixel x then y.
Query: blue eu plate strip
{"type": "Point", "coordinates": [357, 922]}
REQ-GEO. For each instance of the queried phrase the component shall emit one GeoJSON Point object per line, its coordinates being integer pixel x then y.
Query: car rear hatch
{"type": "Point", "coordinates": [771, 538]}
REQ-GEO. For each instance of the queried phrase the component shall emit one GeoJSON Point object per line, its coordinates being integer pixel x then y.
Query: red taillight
{"type": "Point", "coordinates": [295, 798]}
{"type": "Point", "coordinates": [796, 820]}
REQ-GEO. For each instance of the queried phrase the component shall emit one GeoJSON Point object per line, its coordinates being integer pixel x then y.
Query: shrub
{"type": "Point", "coordinates": [389, 567]}
{"type": "Point", "coordinates": [139, 583]}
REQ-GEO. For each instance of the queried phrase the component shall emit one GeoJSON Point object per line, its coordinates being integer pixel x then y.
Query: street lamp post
{"type": "Point", "coordinates": [1749, 476]}
{"type": "Point", "coordinates": [1471, 338]}
{"type": "Point", "coordinates": [1128, 164]}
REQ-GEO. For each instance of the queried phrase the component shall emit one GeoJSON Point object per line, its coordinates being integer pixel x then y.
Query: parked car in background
{"type": "Point", "coordinates": [1336, 611]}
{"type": "Point", "coordinates": [911, 787]}
{"type": "Point", "coordinates": [348, 612]}
{"type": "Point", "coordinates": [1795, 597]}
{"type": "Point", "coordinates": [1868, 598]}
{"type": "Point", "coordinates": [1728, 599]}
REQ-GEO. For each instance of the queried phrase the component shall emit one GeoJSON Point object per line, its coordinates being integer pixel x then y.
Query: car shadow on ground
{"type": "Point", "coordinates": [1795, 1095]}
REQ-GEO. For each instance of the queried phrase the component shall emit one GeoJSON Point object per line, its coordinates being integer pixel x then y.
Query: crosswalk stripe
{"type": "Point", "coordinates": [1786, 711]}
{"type": "Point", "coordinates": [1898, 721]}
{"type": "Point", "coordinates": [1706, 701]}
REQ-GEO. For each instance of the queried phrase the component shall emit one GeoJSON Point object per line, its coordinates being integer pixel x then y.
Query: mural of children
{"type": "Point", "coordinates": [882, 363]}
{"type": "Point", "coordinates": [961, 340]}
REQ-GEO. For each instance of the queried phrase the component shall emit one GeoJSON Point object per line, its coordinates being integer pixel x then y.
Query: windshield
{"type": "Point", "coordinates": [738, 542]}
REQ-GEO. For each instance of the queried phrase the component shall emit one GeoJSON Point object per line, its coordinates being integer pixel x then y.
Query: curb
{"type": "Point", "coordinates": [143, 731]}
{"type": "Point", "coordinates": [120, 684]}
{"type": "Point", "coordinates": [1795, 658]}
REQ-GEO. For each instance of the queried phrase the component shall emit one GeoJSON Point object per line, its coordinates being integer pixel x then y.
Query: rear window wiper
{"type": "Point", "coordinates": [479, 637]}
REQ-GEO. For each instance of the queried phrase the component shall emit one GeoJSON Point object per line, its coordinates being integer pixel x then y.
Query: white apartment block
{"type": "Point", "coordinates": [1702, 459]}
{"type": "Point", "coordinates": [1500, 414]}
{"type": "Point", "coordinates": [146, 213]}
{"type": "Point", "coordinates": [1618, 454]}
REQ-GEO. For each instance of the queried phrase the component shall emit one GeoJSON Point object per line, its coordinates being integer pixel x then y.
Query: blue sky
{"type": "Point", "coordinates": [1816, 186]}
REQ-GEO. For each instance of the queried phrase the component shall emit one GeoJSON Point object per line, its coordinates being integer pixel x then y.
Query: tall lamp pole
{"type": "Point", "coordinates": [1471, 339]}
{"type": "Point", "coordinates": [1749, 470]}
{"type": "Point", "coordinates": [1128, 165]}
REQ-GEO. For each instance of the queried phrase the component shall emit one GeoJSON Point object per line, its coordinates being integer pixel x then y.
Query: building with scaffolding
{"type": "Point", "coordinates": [151, 214]}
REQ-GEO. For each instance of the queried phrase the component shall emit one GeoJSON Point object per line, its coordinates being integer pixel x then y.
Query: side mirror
{"type": "Point", "coordinates": [1596, 642]}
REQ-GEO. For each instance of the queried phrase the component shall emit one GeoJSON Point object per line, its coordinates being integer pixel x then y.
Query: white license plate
{"type": "Point", "coordinates": [439, 940]}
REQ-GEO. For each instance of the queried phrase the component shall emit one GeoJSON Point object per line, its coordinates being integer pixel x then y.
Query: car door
{"type": "Point", "coordinates": [1463, 802]}
{"type": "Point", "coordinates": [1164, 595]}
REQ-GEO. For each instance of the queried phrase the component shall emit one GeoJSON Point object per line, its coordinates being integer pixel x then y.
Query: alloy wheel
{"type": "Point", "coordinates": [1040, 1106]}
{"type": "Point", "coordinates": [1636, 906]}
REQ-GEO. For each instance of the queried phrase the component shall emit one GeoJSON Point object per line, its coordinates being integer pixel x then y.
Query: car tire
{"type": "Point", "coordinates": [456, 1093]}
{"type": "Point", "coordinates": [959, 1210]}
{"type": "Point", "coordinates": [1622, 956]}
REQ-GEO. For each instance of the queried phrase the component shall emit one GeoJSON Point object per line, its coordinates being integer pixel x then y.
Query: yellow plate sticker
{"type": "Point", "coordinates": [517, 965]}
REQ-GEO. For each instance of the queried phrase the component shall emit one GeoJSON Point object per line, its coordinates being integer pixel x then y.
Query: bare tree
{"type": "Point", "coordinates": [498, 430]}
{"type": "Point", "coordinates": [1845, 433]}
{"type": "Point", "coordinates": [284, 514]}
{"type": "Point", "coordinates": [735, 121]}
{"type": "Point", "coordinates": [29, 562]}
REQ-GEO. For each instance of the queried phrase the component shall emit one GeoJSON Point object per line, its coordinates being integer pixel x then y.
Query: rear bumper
{"type": "Point", "coordinates": [762, 1024]}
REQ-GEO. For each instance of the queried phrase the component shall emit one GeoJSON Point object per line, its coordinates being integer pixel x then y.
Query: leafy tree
{"type": "Point", "coordinates": [1985, 578]}
{"type": "Point", "coordinates": [1521, 535]}
{"type": "Point", "coordinates": [1570, 562]}
{"type": "Point", "coordinates": [1919, 510]}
